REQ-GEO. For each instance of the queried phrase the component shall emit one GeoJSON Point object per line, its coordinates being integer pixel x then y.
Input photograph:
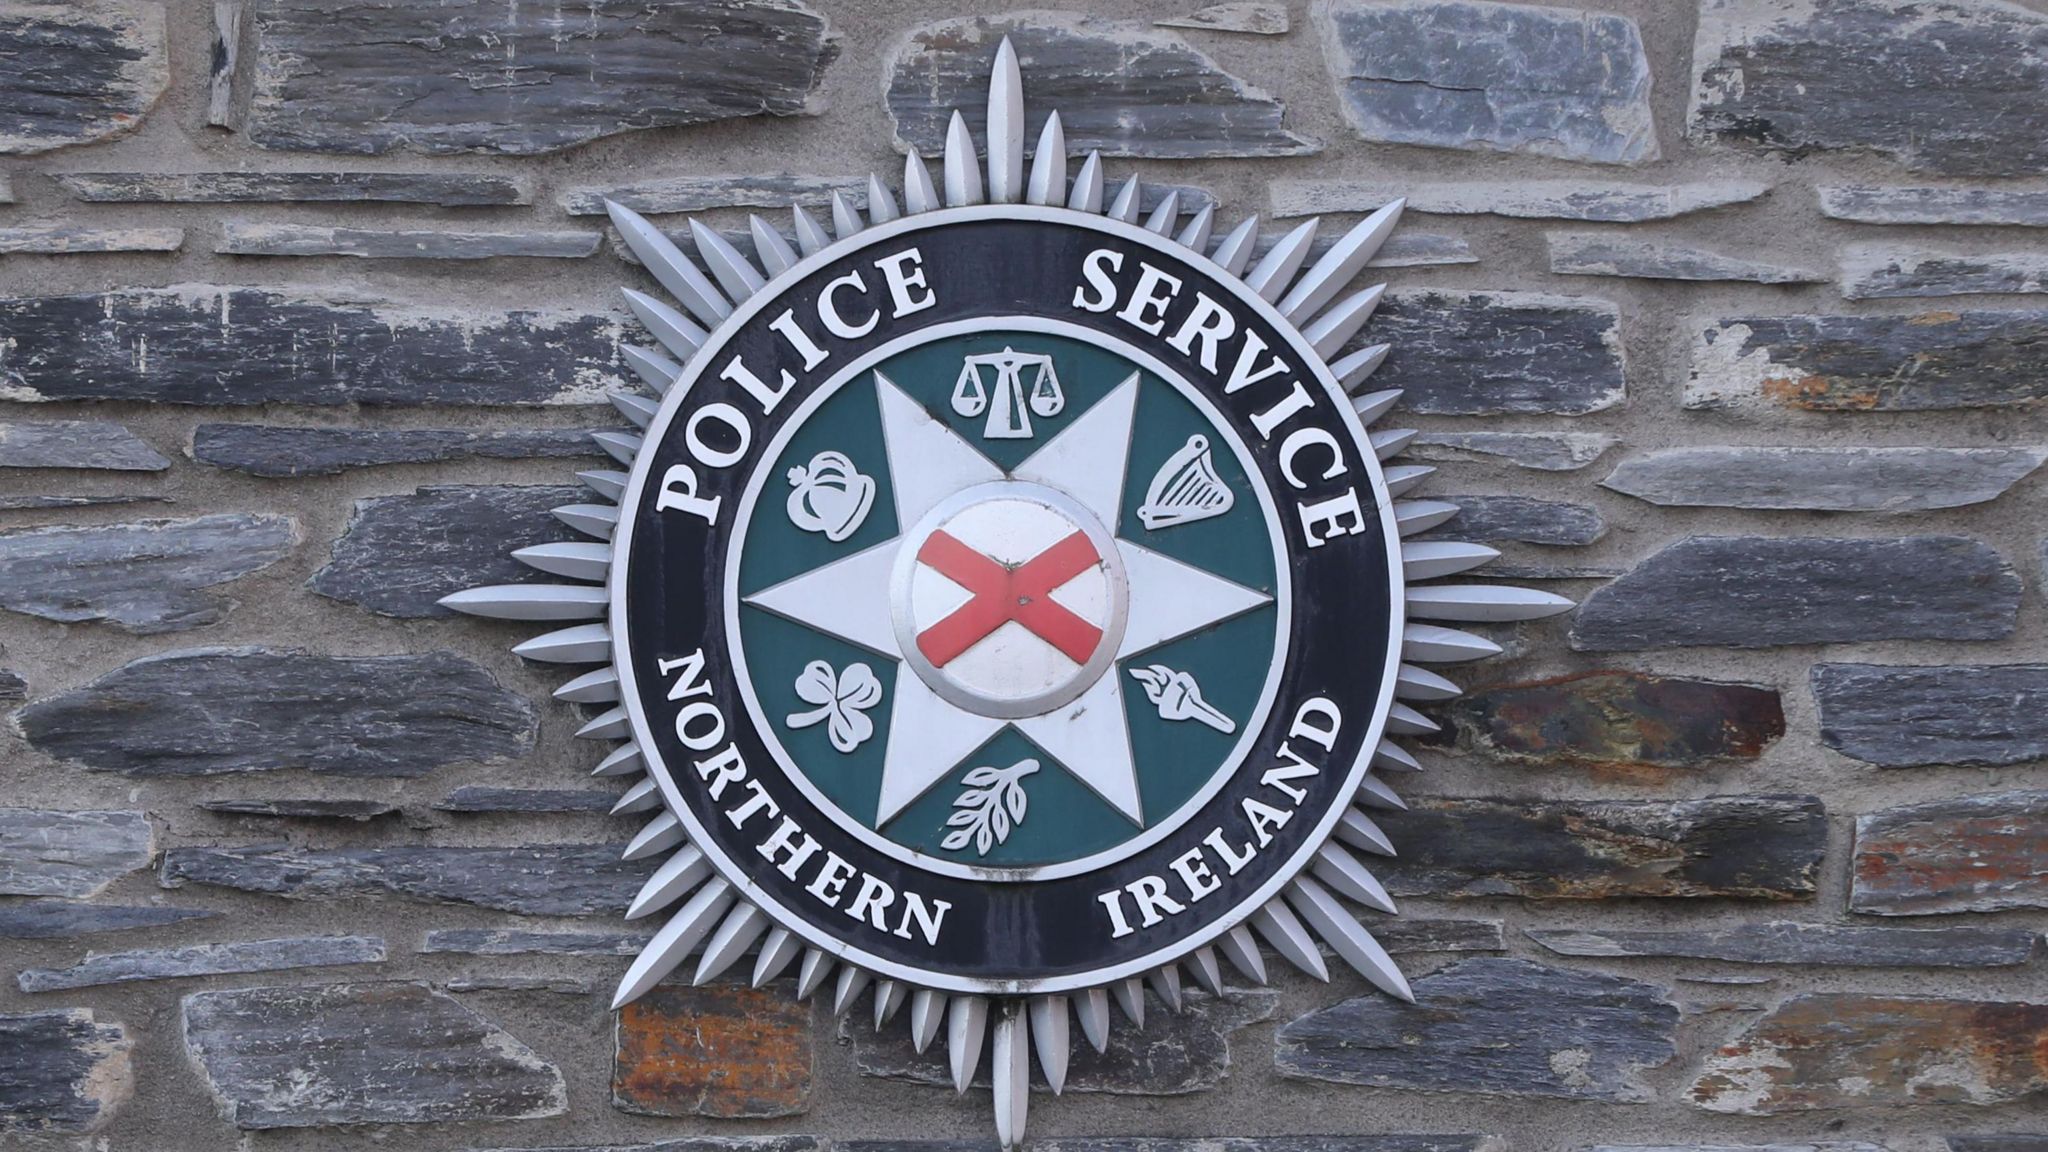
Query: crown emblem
{"type": "Point", "coordinates": [830, 495]}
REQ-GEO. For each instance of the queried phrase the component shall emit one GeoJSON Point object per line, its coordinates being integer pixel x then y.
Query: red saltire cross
{"type": "Point", "coordinates": [1003, 594]}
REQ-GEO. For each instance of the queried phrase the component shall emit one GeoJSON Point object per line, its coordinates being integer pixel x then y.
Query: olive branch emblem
{"type": "Point", "coordinates": [993, 803]}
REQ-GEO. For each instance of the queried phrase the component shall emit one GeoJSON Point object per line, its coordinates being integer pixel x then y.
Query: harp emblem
{"type": "Point", "coordinates": [1186, 488]}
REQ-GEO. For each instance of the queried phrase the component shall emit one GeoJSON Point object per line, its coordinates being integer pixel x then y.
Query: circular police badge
{"type": "Point", "coordinates": [1006, 603]}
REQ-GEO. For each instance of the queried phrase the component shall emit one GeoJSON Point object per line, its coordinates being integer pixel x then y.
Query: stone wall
{"type": "Point", "coordinates": [1724, 319]}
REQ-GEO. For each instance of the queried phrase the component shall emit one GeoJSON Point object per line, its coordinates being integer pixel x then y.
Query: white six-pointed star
{"type": "Point", "coordinates": [1041, 658]}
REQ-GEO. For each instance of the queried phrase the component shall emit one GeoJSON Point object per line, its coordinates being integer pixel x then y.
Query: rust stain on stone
{"type": "Point", "coordinates": [1626, 723]}
{"type": "Point", "coordinates": [723, 1050]}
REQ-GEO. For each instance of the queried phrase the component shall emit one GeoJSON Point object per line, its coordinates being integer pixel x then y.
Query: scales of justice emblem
{"type": "Point", "coordinates": [1001, 666]}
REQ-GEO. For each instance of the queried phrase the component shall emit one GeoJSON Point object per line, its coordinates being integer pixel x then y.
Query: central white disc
{"type": "Point", "coordinates": [1009, 599]}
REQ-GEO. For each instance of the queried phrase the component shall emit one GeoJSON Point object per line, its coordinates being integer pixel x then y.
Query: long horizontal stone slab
{"type": "Point", "coordinates": [19, 502]}
{"type": "Point", "coordinates": [1803, 590]}
{"type": "Point", "coordinates": [239, 238]}
{"type": "Point", "coordinates": [1605, 202]}
{"type": "Point", "coordinates": [1915, 362]}
{"type": "Point", "coordinates": [1520, 520]}
{"type": "Point", "coordinates": [401, 554]}
{"type": "Point", "coordinates": [1869, 204]}
{"type": "Point", "coordinates": [206, 344]}
{"type": "Point", "coordinates": [65, 919]}
{"type": "Point", "coordinates": [1348, 1142]}
{"type": "Point", "coordinates": [278, 451]}
{"type": "Point", "coordinates": [1246, 16]}
{"type": "Point", "coordinates": [77, 73]}
{"type": "Point", "coordinates": [1629, 722]}
{"type": "Point", "coordinates": [387, 1053]}
{"type": "Point", "coordinates": [443, 189]}
{"type": "Point", "coordinates": [300, 809]}
{"type": "Point", "coordinates": [62, 1072]}
{"type": "Point", "coordinates": [197, 960]}
{"type": "Point", "coordinates": [146, 577]}
{"type": "Point", "coordinates": [521, 79]}
{"type": "Point", "coordinates": [1604, 254]}
{"type": "Point", "coordinates": [1824, 479]}
{"type": "Point", "coordinates": [478, 798]}
{"type": "Point", "coordinates": [1125, 89]}
{"type": "Point", "coordinates": [1911, 716]}
{"type": "Point", "coordinates": [74, 854]}
{"type": "Point", "coordinates": [528, 942]}
{"type": "Point", "coordinates": [1493, 1026]}
{"type": "Point", "coordinates": [735, 190]}
{"type": "Point", "coordinates": [1970, 854]}
{"type": "Point", "coordinates": [1753, 847]}
{"type": "Point", "coordinates": [547, 880]}
{"type": "Point", "coordinates": [202, 712]}
{"type": "Point", "coordinates": [1887, 271]}
{"type": "Point", "coordinates": [67, 239]}
{"type": "Point", "coordinates": [1792, 942]}
{"type": "Point", "coordinates": [1461, 353]}
{"type": "Point", "coordinates": [1537, 451]}
{"type": "Point", "coordinates": [85, 445]}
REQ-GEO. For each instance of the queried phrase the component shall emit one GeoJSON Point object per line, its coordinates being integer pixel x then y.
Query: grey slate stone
{"type": "Point", "coordinates": [146, 577]}
{"type": "Point", "coordinates": [1867, 204]}
{"type": "Point", "coordinates": [1824, 479]}
{"type": "Point", "coordinates": [1759, 592]}
{"type": "Point", "coordinates": [240, 238]}
{"type": "Point", "coordinates": [1902, 716]}
{"type": "Point", "coordinates": [1791, 942]}
{"type": "Point", "coordinates": [1537, 451]}
{"type": "Point", "coordinates": [61, 1072]}
{"type": "Point", "coordinates": [359, 811]}
{"type": "Point", "coordinates": [12, 686]}
{"type": "Point", "coordinates": [250, 346]}
{"type": "Point", "coordinates": [444, 189]}
{"type": "Point", "coordinates": [1751, 847]}
{"type": "Point", "coordinates": [39, 502]}
{"type": "Point", "coordinates": [1174, 1054]}
{"type": "Point", "coordinates": [374, 1053]}
{"type": "Point", "coordinates": [1916, 362]}
{"type": "Point", "coordinates": [66, 239]}
{"type": "Point", "coordinates": [1122, 88]}
{"type": "Point", "coordinates": [523, 942]}
{"type": "Point", "coordinates": [95, 445]}
{"type": "Point", "coordinates": [64, 919]}
{"type": "Point", "coordinates": [1981, 853]}
{"type": "Point", "coordinates": [1936, 85]}
{"type": "Point", "coordinates": [1606, 202]}
{"type": "Point", "coordinates": [1404, 249]}
{"type": "Point", "coordinates": [547, 880]}
{"type": "Point", "coordinates": [202, 712]}
{"type": "Point", "coordinates": [401, 554]}
{"type": "Point", "coordinates": [275, 451]}
{"type": "Point", "coordinates": [1603, 254]}
{"type": "Point", "coordinates": [238, 956]}
{"type": "Point", "coordinates": [1519, 520]}
{"type": "Point", "coordinates": [1405, 935]}
{"type": "Point", "coordinates": [77, 73]}
{"type": "Point", "coordinates": [777, 1143]}
{"type": "Point", "coordinates": [483, 798]}
{"type": "Point", "coordinates": [735, 190]}
{"type": "Point", "coordinates": [1399, 1142]}
{"type": "Point", "coordinates": [226, 57]}
{"type": "Point", "coordinates": [1493, 1026]}
{"type": "Point", "coordinates": [1459, 353]}
{"type": "Point", "coordinates": [1244, 16]}
{"type": "Point", "coordinates": [1998, 1142]}
{"type": "Point", "coordinates": [71, 854]}
{"type": "Point", "coordinates": [1554, 82]}
{"type": "Point", "coordinates": [369, 77]}
{"type": "Point", "coordinates": [1882, 271]}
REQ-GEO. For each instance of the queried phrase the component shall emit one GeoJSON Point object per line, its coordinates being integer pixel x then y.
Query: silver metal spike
{"type": "Point", "coordinates": [1388, 756]}
{"type": "Point", "coordinates": [623, 761]}
{"type": "Point", "coordinates": [1342, 321]}
{"type": "Point", "coordinates": [1048, 184]}
{"type": "Point", "coordinates": [608, 484]}
{"type": "Point", "coordinates": [1354, 369]}
{"type": "Point", "coordinates": [1091, 1008]}
{"type": "Point", "coordinates": [1405, 721]}
{"type": "Point", "coordinates": [677, 938]}
{"type": "Point", "coordinates": [674, 270]}
{"type": "Point", "coordinates": [1347, 937]}
{"type": "Point", "coordinates": [537, 602]}
{"type": "Point", "coordinates": [1373, 792]}
{"type": "Point", "coordinates": [811, 236]}
{"type": "Point", "coordinates": [1359, 831]}
{"type": "Point", "coordinates": [1351, 879]}
{"type": "Point", "coordinates": [1196, 234]}
{"type": "Point", "coordinates": [1392, 442]}
{"type": "Point", "coordinates": [736, 933]}
{"type": "Point", "coordinates": [620, 446]}
{"type": "Point", "coordinates": [1087, 192]}
{"type": "Point", "coordinates": [642, 797]}
{"type": "Point", "coordinates": [881, 202]}
{"type": "Point", "coordinates": [675, 331]}
{"type": "Point", "coordinates": [1207, 972]}
{"type": "Point", "coordinates": [1416, 516]}
{"type": "Point", "coordinates": [889, 998]}
{"type": "Point", "coordinates": [1483, 603]}
{"type": "Point", "coordinates": [1235, 252]}
{"type": "Point", "coordinates": [678, 876]}
{"type": "Point", "coordinates": [575, 559]}
{"type": "Point", "coordinates": [1124, 206]}
{"type": "Point", "coordinates": [599, 687]}
{"type": "Point", "coordinates": [595, 520]}
{"type": "Point", "coordinates": [1165, 982]}
{"type": "Point", "coordinates": [1342, 263]}
{"type": "Point", "coordinates": [1278, 925]}
{"type": "Point", "coordinates": [1130, 997]}
{"type": "Point", "coordinates": [1005, 129]}
{"type": "Point", "coordinates": [735, 274]}
{"type": "Point", "coordinates": [658, 371]}
{"type": "Point", "coordinates": [583, 644]}
{"type": "Point", "coordinates": [1238, 947]}
{"type": "Point", "coordinates": [635, 407]}
{"type": "Point", "coordinates": [918, 193]}
{"type": "Point", "coordinates": [1010, 1069]}
{"type": "Point", "coordinates": [853, 980]}
{"type": "Point", "coordinates": [1404, 478]}
{"type": "Point", "coordinates": [846, 219]}
{"type": "Point", "coordinates": [1271, 275]}
{"type": "Point", "coordinates": [927, 1012]}
{"type": "Point", "coordinates": [1413, 683]}
{"type": "Point", "coordinates": [1373, 405]}
{"type": "Point", "coordinates": [1429, 559]}
{"type": "Point", "coordinates": [817, 966]}
{"type": "Point", "coordinates": [779, 950]}
{"type": "Point", "coordinates": [661, 834]}
{"type": "Point", "coordinates": [962, 167]}
{"type": "Point", "coordinates": [1429, 644]}
{"type": "Point", "coordinates": [966, 1029]}
{"type": "Point", "coordinates": [770, 248]}
{"type": "Point", "coordinates": [1050, 1039]}
{"type": "Point", "coordinates": [1165, 216]}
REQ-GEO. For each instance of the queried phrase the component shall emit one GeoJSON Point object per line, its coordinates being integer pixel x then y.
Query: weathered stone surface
{"type": "Point", "coordinates": [368, 77]}
{"type": "Point", "coordinates": [1489, 353]}
{"type": "Point", "coordinates": [226, 57]}
{"type": "Point", "coordinates": [77, 72]}
{"type": "Point", "coordinates": [63, 919]}
{"type": "Point", "coordinates": [275, 451]}
{"type": "Point", "coordinates": [445, 189]}
{"type": "Point", "coordinates": [1244, 16]}
{"type": "Point", "coordinates": [12, 686]}
{"type": "Point", "coordinates": [375, 1053]}
{"type": "Point", "coordinates": [520, 984]}
{"type": "Point", "coordinates": [1598, 203]}
{"type": "Point", "coordinates": [357, 810]}
{"type": "Point", "coordinates": [521, 942]}
{"type": "Point", "coordinates": [1493, 1026]}
{"type": "Point", "coordinates": [1850, 1050]}
{"type": "Point", "coordinates": [64, 239]}
{"type": "Point", "coordinates": [401, 554]}
{"type": "Point", "coordinates": [1170, 1056]}
{"type": "Point", "coordinates": [1404, 249]}
{"type": "Point", "coordinates": [548, 880]}
{"type": "Point", "coordinates": [246, 346]}
{"type": "Point", "coordinates": [736, 190]}
{"type": "Point", "coordinates": [1491, 77]}
{"type": "Point", "coordinates": [1432, 1142]}
{"type": "Point", "coordinates": [97, 445]}
{"type": "Point", "coordinates": [1604, 254]}
{"type": "Point", "coordinates": [1520, 519]}
{"type": "Point", "coordinates": [71, 854]}
{"type": "Point", "coordinates": [1758, 592]}
{"type": "Point", "coordinates": [146, 577]}
{"type": "Point", "coordinates": [1538, 451]}
{"type": "Point", "coordinates": [1971, 854]}
{"type": "Point", "coordinates": [1936, 85]}
{"type": "Point", "coordinates": [240, 238]}
{"type": "Point", "coordinates": [61, 1071]}
{"type": "Point", "coordinates": [205, 711]}
{"type": "Point", "coordinates": [1865, 204]}
{"type": "Point", "coordinates": [1999, 1142]}
{"type": "Point", "coordinates": [1901, 363]}
{"type": "Point", "coordinates": [18, 503]}
{"type": "Point", "coordinates": [1757, 847]}
{"type": "Point", "coordinates": [1790, 942]}
{"type": "Point", "coordinates": [1409, 934]}
{"type": "Point", "coordinates": [1885, 271]}
{"type": "Point", "coordinates": [724, 1050]}
{"type": "Point", "coordinates": [483, 798]}
{"type": "Point", "coordinates": [1122, 88]}
{"type": "Point", "coordinates": [1824, 479]}
{"type": "Point", "coordinates": [205, 960]}
{"type": "Point", "coordinates": [1619, 720]}
{"type": "Point", "coordinates": [1905, 716]}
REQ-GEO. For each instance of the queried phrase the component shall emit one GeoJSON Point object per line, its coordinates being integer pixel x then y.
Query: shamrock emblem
{"type": "Point", "coordinates": [842, 702]}
{"type": "Point", "coordinates": [993, 802]}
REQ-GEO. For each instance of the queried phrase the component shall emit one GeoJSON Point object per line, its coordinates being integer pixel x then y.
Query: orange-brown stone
{"type": "Point", "coordinates": [723, 1050]}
